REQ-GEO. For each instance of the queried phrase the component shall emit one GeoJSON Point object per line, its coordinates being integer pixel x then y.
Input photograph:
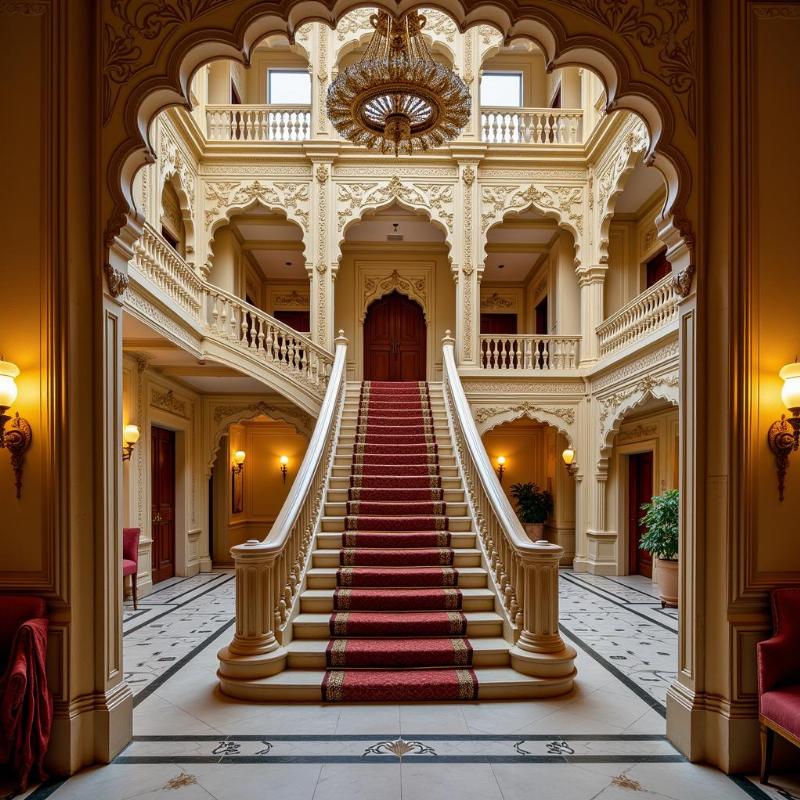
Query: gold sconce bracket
{"type": "Point", "coordinates": [782, 439]}
{"type": "Point", "coordinates": [16, 438]}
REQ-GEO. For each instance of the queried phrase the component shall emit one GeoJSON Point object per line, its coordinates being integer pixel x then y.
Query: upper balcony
{"type": "Point", "coordinates": [294, 123]}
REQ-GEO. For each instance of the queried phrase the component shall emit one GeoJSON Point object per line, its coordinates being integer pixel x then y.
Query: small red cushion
{"type": "Point", "coordinates": [128, 567]}
{"type": "Point", "coordinates": [782, 707]}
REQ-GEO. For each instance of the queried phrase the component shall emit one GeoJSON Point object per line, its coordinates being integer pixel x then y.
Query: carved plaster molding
{"type": "Point", "coordinates": [436, 199]}
{"type": "Point", "coordinates": [223, 197]}
{"type": "Point", "coordinates": [293, 299]}
{"type": "Point", "coordinates": [682, 282]}
{"type": "Point", "coordinates": [565, 203]}
{"type": "Point", "coordinates": [656, 359]}
{"type": "Point", "coordinates": [497, 301]}
{"type": "Point", "coordinates": [637, 433]}
{"type": "Point", "coordinates": [525, 409]}
{"type": "Point", "coordinates": [524, 387]}
{"type": "Point", "coordinates": [375, 287]}
{"type": "Point", "coordinates": [167, 401]}
{"type": "Point", "coordinates": [117, 281]}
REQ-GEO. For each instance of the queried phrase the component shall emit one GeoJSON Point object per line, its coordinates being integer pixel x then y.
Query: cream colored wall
{"type": "Point", "coordinates": [152, 399]}
{"type": "Point", "coordinates": [428, 263]}
{"type": "Point", "coordinates": [505, 298]}
{"type": "Point", "coordinates": [656, 432]}
{"type": "Point", "coordinates": [633, 240]}
{"type": "Point", "coordinates": [264, 491]}
{"type": "Point", "coordinates": [286, 297]}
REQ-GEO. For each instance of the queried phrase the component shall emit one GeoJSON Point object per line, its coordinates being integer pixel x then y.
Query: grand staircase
{"type": "Point", "coordinates": [397, 603]}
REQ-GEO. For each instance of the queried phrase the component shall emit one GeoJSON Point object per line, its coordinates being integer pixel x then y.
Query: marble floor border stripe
{"type": "Point", "coordinates": [626, 606]}
{"type": "Point", "coordinates": [433, 737]}
{"type": "Point", "coordinates": [466, 759]}
{"type": "Point", "coordinates": [615, 671]}
{"type": "Point", "coordinates": [182, 662]}
{"type": "Point", "coordinates": [148, 598]}
{"type": "Point", "coordinates": [579, 576]}
{"type": "Point", "coordinates": [746, 785]}
{"type": "Point", "coordinates": [157, 617]}
{"type": "Point", "coordinates": [46, 789]}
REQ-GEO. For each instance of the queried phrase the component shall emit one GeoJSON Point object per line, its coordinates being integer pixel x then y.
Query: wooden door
{"type": "Point", "coordinates": [163, 503]}
{"type": "Point", "coordinates": [640, 491]}
{"type": "Point", "coordinates": [394, 340]}
{"type": "Point", "coordinates": [499, 323]}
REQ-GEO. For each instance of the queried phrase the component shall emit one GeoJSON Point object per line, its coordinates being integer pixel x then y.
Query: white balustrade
{"type": "Point", "coordinates": [532, 125]}
{"type": "Point", "coordinates": [270, 572]}
{"type": "Point", "coordinates": [524, 574]}
{"type": "Point", "coordinates": [254, 334]}
{"type": "Point", "coordinates": [652, 309]}
{"type": "Point", "coordinates": [265, 339]}
{"type": "Point", "coordinates": [158, 261]}
{"type": "Point", "coordinates": [258, 123]}
{"type": "Point", "coordinates": [529, 352]}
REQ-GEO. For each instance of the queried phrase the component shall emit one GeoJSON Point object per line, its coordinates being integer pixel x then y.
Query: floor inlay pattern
{"type": "Point", "coordinates": [604, 741]}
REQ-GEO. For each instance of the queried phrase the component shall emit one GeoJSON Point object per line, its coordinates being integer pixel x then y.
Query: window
{"type": "Point", "coordinates": [288, 87]}
{"type": "Point", "coordinates": [501, 89]}
{"type": "Point", "coordinates": [556, 101]}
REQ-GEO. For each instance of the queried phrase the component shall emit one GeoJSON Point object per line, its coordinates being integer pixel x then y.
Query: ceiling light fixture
{"type": "Point", "coordinates": [397, 98]}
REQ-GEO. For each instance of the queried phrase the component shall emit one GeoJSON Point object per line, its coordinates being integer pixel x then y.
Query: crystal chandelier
{"type": "Point", "coordinates": [397, 97]}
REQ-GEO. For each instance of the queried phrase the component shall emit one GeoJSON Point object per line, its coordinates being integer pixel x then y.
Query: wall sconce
{"type": "Point", "coordinates": [568, 457]}
{"type": "Point", "coordinates": [17, 439]}
{"type": "Point", "coordinates": [784, 435]}
{"type": "Point", "coordinates": [130, 435]}
{"type": "Point", "coordinates": [501, 467]}
{"type": "Point", "coordinates": [284, 465]}
{"type": "Point", "coordinates": [238, 462]}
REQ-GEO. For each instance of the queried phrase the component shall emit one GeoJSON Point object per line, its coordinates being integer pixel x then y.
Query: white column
{"type": "Point", "coordinates": [321, 271]}
{"type": "Point", "coordinates": [591, 281]}
{"type": "Point", "coordinates": [468, 278]}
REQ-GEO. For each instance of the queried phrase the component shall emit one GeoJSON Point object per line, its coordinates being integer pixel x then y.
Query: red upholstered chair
{"type": "Point", "coordinates": [26, 709]}
{"type": "Point", "coordinates": [130, 559]}
{"type": "Point", "coordinates": [779, 676]}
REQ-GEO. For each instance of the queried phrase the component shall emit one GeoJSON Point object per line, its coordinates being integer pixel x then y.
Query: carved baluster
{"type": "Point", "coordinates": [268, 347]}
{"type": "Point", "coordinates": [245, 334]}
{"type": "Point", "coordinates": [538, 138]}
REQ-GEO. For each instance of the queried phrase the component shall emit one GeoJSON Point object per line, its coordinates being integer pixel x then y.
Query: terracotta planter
{"type": "Point", "coordinates": [535, 530]}
{"type": "Point", "coordinates": [668, 583]}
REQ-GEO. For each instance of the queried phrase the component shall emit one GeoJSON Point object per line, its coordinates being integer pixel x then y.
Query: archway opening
{"type": "Point", "coordinates": [395, 340]}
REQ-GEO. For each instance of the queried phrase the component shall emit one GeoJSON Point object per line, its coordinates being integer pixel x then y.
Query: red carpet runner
{"type": "Point", "coordinates": [397, 630]}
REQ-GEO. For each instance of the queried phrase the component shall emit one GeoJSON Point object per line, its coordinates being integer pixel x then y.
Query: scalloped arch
{"type": "Point", "coordinates": [296, 420]}
{"type": "Point", "coordinates": [538, 414]}
{"type": "Point", "coordinates": [368, 206]}
{"type": "Point", "coordinates": [149, 87]}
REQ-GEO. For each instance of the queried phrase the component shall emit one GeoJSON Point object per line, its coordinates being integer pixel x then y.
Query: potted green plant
{"type": "Point", "coordinates": [661, 540]}
{"type": "Point", "coordinates": [533, 506]}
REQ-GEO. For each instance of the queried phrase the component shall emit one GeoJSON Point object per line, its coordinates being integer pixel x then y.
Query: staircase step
{"type": "Point", "coordinates": [463, 557]}
{"type": "Point", "coordinates": [333, 541]}
{"type": "Point", "coordinates": [325, 577]}
{"type": "Point", "coordinates": [340, 509]}
{"type": "Point", "coordinates": [341, 495]}
{"type": "Point", "coordinates": [304, 685]}
{"type": "Point", "coordinates": [449, 484]}
{"type": "Point", "coordinates": [345, 470]}
{"type": "Point", "coordinates": [317, 626]}
{"type": "Point", "coordinates": [455, 524]}
{"type": "Point", "coordinates": [320, 601]}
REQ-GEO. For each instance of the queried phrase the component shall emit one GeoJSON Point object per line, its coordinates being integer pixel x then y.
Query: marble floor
{"type": "Point", "coordinates": [604, 740]}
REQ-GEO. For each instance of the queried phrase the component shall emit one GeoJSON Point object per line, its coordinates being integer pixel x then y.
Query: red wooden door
{"type": "Point", "coordinates": [162, 462]}
{"type": "Point", "coordinates": [394, 340]}
{"type": "Point", "coordinates": [499, 323]}
{"type": "Point", "coordinates": [640, 491]}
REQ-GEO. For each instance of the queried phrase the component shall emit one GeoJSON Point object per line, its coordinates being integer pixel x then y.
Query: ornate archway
{"type": "Point", "coordinates": [150, 53]}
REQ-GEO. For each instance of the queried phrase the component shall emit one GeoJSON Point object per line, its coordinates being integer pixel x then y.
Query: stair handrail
{"type": "Point", "coordinates": [270, 572]}
{"type": "Point", "coordinates": [525, 572]}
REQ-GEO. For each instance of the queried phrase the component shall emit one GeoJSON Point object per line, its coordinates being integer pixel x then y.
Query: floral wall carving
{"type": "Point", "coordinates": [222, 197]}
{"type": "Point", "coordinates": [374, 287]}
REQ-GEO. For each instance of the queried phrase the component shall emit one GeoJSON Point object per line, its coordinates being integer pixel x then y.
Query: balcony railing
{"type": "Point", "coordinates": [647, 312]}
{"type": "Point", "coordinates": [258, 123]}
{"type": "Point", "coordinates": [532, 125]}
{"type": "Point", "coordinates": [228, 326]}
{"type": "Point", "coordinates": [529, 352]}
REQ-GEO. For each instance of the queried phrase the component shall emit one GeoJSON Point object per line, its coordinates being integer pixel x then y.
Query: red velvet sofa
{"type": "Point", "coordinates": [26, 708]}
{"type": "Point", "coordinates": [779, 676]}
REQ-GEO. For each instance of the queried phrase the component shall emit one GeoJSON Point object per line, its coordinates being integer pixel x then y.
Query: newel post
{"type": "Point", "coordinates": [540, 651]}
{"type": "Point", "coordinates": [254, 651]}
